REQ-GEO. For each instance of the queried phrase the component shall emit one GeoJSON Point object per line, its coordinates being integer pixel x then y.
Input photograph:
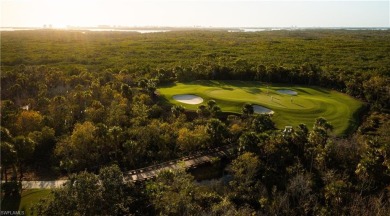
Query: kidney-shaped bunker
{"type": "Point", "coordinates": [188, 99]}
{"type": "Point", "coordinates": [287, 92]}
{"type": "Point", "coordinates": [261, 110]}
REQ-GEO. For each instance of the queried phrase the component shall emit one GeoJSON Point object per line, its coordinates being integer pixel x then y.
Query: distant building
{"type": "Point", "coordinates": [27, 107]}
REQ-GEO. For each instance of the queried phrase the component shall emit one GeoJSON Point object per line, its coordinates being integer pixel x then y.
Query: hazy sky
{"type": "Point", "coordinates": [217, 13]}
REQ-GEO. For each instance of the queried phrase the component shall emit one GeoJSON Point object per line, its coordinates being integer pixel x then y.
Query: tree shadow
{"type": "Point", "coordinates": [298, 105]}
{"type": "Point", "coordinates": [227, 88]}
{"type": "Point", "coordinates": [12, 197]}
{"type": "Point", "coordinates": [279, 103]}
{"type": "Point", "coordinates": [320, 90]}
{"type": "Point", "coordinates": [167, 85]}
{"type": "Point", "coordinates": [304, 91]}
{"type": "Point", "coordinates": [252, 90]}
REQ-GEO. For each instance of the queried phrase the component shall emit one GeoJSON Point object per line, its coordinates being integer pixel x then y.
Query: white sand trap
{"type": "Point", "coordinates": [287, 92]}
{"type": "Point", "coordinates": [262, 110]}
{"type": "Point", "coordinates": [188, 99]}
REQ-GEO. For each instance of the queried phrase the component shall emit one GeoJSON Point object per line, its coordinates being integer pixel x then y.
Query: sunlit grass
{"type": "Point", "coordinates": [309, 104]}
{"type": "Point", "coordinates": [24, 203]}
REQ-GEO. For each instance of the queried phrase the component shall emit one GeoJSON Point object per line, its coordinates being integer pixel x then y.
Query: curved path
{"type": "Point", "coordinates": [150, 172]}
{"type": "Point", "coordinates": [188, 162]}
{"type": "Point", "coordinates": [41, 184]}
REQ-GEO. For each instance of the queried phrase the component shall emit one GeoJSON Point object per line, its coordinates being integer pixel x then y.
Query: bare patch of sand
{"type": "Point", "coordinates": [262, 110]}
{"type": "Point", "coordinates": [287, 92]}
{"type": "Point", "coordinates": [188, 99]}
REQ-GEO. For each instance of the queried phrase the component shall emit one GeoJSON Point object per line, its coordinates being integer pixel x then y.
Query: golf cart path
{"type": "Point", "coordinates": [41, 184]}
{"type": "Point", "coordinates": [150, 172]}
{"type": "Point", "coordinates": [187, 162]}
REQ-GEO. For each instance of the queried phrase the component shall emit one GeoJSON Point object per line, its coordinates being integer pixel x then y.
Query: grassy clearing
{"type": "Point", "coordinates": [23, 203]}
{"type": "Point", "coordinates": [310, 103]}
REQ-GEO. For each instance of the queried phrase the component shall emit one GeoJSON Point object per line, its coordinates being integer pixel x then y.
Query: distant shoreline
{"type": "Point", "coordinates": [166, 29]}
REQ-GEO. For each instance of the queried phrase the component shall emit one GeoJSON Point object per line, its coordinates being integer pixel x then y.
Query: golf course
{"type": "Point", "coordinates": [289, 105]}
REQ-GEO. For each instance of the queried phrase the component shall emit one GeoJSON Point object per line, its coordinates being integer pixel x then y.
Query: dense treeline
{"type": "Point", "coordinates": [352, 50]}
{"type": "Point", "coordinates": [371, 87]}
{"type": "Point", "coordinates": [75, 102]}
{"type": "Point", "coordinates": [355, 62]}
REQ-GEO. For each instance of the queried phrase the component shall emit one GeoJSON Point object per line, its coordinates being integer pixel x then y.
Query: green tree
{"type": "Point", "coordinates": [116, 194]}
{"type": "Point", "coordinates": [45, 142]}
{"type": "Point", "coordinates": [300, 193]}
{"type": "Point", "coordinates": [96, 113]}
{"type": "Point", "coordinates": [217, 131]}
{"type": "Point", "coordinates": [318, 138]}
{"type": "Point", "coordinates": [335, 193]}
{"type": "Point", "coordinates": [80, 150]}
{"type": "Point", "coordinates": [177, 110]}
{"type": "Point", "coordinates": [173, 193]}
{"type": "Point", "coordinates": [8, 152]}
{"type": "Point", "coordinates": [60, 114]}
{"type": "Point", "coordinates": [215, 111]}
{"type": "Point", "coordinates": [8, 113]}
{"type": "Point", "coordinates": [81, 195]}
{"type": "Point", "coordinates": [247, 110]}
{"type": "Point", "coordinates": [372, 169]}
{"type": "Point", "coordinates": [114, 133]}
{"type": "Point", "coordinates": [203, 112]}
{"type": "Point", "coordinates": [24, 148]}
{"type": "Point", "coordinates": [376, 91]}
{"type": "Point", "coordinates": [245, 170]}
{"type": "Point", "coordinates": [133, 153]}
{"type": "Point", "coordinates": [118, 112]}
{"type": "Point", "coordinates": [300, 139]}
{"type": "Point", "coordinates": [126, 91]}
{"type": "Point", "coordinates": [192, 140]}
{"type": "Point", "coordinates": [28, 121]}
{"type": "Point", "coordinates": [262, 122]}
{"type": "Point", "coordinates": [90, 194]}
{"type": "Point", "coordinates": [249, 142]}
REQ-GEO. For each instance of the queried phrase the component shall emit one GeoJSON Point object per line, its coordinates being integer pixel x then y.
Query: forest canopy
{"type": "Point", "coordinates": [84, 105]}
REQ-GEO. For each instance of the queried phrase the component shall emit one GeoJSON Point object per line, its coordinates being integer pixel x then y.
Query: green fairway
{"type": "Point", "coordinates": [23, 203]}
{"type": "Point", "coordinates": [310, 103]}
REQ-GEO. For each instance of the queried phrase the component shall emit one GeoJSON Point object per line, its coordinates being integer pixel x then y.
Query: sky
{"type": "Point", "coordinates": [188, 13]}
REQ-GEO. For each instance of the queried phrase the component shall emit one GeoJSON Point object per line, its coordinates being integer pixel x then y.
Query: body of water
{"type": "Point", "coordinates": [142, 31]}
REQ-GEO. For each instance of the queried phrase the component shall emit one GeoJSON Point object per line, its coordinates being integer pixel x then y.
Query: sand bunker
{"type": "Point", "coordinates": [287, 92]}
{"type": "Point", "coordinates": [262, 110]}
{"type": "Point", "coordinates": [188, 99]}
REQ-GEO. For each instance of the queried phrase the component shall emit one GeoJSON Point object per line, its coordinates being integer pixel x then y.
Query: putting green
{"type": "Point", "coordinates": [309, 104]}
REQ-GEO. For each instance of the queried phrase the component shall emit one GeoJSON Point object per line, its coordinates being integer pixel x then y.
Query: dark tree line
{"type": "Point", "coordinates": [369, 86]}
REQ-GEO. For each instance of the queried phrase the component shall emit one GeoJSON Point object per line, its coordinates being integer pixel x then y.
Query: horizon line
{"type": "Point", "coordinates": [49, 26]}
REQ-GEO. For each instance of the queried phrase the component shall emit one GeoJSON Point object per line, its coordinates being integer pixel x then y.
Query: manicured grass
{"type": "Point", "coordinates": [23, 203]}
{"type": "Point", "coordinates": [309, 104]}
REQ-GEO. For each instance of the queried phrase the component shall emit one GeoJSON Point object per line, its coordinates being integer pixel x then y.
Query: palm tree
{"type": "Point", "coordinates": [203, 111]}
{"type": "Point", "coordinates": [247, 110]}
{"type": "Point", "coordinates": [217, 131]}
{"type": "Point", "coordinates": [177, 110]}
{"type": "Point", "coordinates": [115, 132]}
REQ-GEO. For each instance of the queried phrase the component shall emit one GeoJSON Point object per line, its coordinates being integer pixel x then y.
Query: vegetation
{"type": "Point", "coordinates": [25, 201]}
{"type": "Point", "coordinates": [85, 106]}
{"type": "Point", "coordinates": [338, 49]}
